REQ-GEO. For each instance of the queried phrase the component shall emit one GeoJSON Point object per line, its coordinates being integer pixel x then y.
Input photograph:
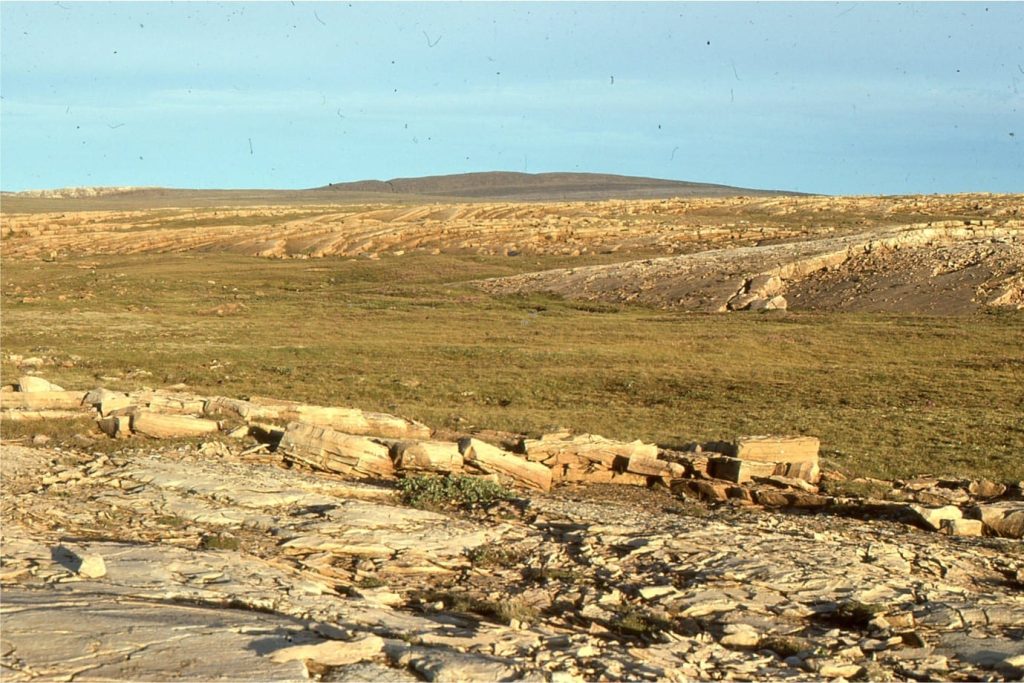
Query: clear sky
{"type": "Point", "coordinates": [844, 98]}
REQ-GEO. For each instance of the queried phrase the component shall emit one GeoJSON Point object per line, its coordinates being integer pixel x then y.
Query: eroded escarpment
{"type": "Point", "coordinates": [943, 269]}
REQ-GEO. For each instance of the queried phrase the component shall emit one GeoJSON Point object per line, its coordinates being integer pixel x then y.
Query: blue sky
{"type": "Point", "coordinates": [841, 98]}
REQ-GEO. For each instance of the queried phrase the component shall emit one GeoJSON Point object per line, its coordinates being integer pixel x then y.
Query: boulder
{"type": "Point", "coordinates": [794, 456]}
{"type": "Point", "coordinates": [106, 401]}
{"type": "Point", "coordinates": [493, 460]}
{"type": "Point", "coordinates": [962, 527]}
{"type": "Point", "coordinates": [1004, 518]}
{"type": "Point", "coordinates": [739, 471]}
{"type": "Point", "coordinates": [775, 303]}
{"type": "Point", "coordinates": [326, 449]}
{"type": "Point", "coordinates": [91, 566]}
{"type": "Point", "coordinates": [428, 456]}
{"type": "Point", "coordinates": [766, 284]}
{"type": "Point", "coordinates": [933, 517]}
{"type": "Point", "coordinates": [115, 426]}
{"type": "Point", "coordinates": [29, 383]}
{"type": "Point", "coordinates": [983, 488]}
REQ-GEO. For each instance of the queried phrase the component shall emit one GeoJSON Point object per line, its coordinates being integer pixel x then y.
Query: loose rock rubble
{"type": "Point", "coordinates": [293, 558]}
{"type": "Point", "coordinates": [154, 563]}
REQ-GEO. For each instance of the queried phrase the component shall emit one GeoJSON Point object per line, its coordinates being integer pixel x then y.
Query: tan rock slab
{"type": "Point", "coordinates": [1005, 518]}
{"type": "Point", "coordinates": [42, 400]}
{"type": "Point", "coordinates": [247, 410]}
{"type": "Point", "coordinates": [963, 527]}
{"type": "Point", "coordinates": [93, 636]}
{"type": "Point", "coordinates": [360, 422]}
{"type": "Point", "coordinates": [808, 471]}
{"type": "Point", "coordinates": [162, 426]}
{"type": "Point", "coordinates": [492, 459]}
{"type": "Point", "coordinates": [428, 456]}
{"type": "Point", "coordinates": [451, 666]}
{"type": "Point", "coordinates": [640, 463]}
{"type": "Point", "coordinates": [332, 652]}
{"type": "Point", "coordinates": [739, 470]}
{"type": "Point", "coordinates": [795, 456]}
{"type": "Point", "coordinates": [115, 426]}
{"type": "Point", "coordinates": [839, 670]}
{"type": "Point", "coordinates": [169, 402]}
{"type": "Point", "coordinates": [92, 566]}
{"type": "Point", "coordinates": [107, 401]}
{"type": "Point", "coordinates": [33, 415]}
{"type": "Point", "coordinates": [933, 517]}
{"type": "Point", "coordinates": [983, 488]}
{"type": "Point", "coordinates": [655, 592]}
{"type": "Point", "coordinates": [346, 420]}
{"type": "Point", "coordinates": [743, 639]}
{"type": "Point", "coordinates": [570, 457]}
{"type": "Point", "coordinates": [30, 383]}
{"type": "Point", "coordinates": [778, 448]}
{"type": "Point", "coordinates": [327, 449]}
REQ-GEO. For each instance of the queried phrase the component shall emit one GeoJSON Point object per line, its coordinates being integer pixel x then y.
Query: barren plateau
{"type": "Point", "coordinates": [745, 437]}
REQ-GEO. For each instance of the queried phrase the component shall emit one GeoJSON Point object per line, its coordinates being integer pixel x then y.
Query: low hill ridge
{"type": "Point", "coordinates": [534, 186]}
{"type": "Point", "coordinates": [492, 186]}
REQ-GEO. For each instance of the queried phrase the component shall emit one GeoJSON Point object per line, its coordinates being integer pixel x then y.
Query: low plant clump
{"type": "Point", "coordinates": [439, 493]}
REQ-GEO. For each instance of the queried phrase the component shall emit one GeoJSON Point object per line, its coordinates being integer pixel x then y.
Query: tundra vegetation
{"type": "Point", "coordinates": [890, 395]}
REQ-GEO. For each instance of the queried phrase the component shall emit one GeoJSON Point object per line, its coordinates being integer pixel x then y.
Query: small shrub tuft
{"type": "Point", "coordinates": [438, 493]}
{"type": "Point", "coordinates": [494, 555]}
{"type": "Point", "coordinates": [638, 622]}
{"type": "Point", "coordinates": [219, 541]}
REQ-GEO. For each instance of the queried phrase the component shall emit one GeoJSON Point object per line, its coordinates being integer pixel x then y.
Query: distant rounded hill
{"type": "Point", "coordinates": [497, 185]}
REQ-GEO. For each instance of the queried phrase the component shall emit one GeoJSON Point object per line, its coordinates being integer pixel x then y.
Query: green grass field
{"type": "Point", "coordinates": [890, 396]}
